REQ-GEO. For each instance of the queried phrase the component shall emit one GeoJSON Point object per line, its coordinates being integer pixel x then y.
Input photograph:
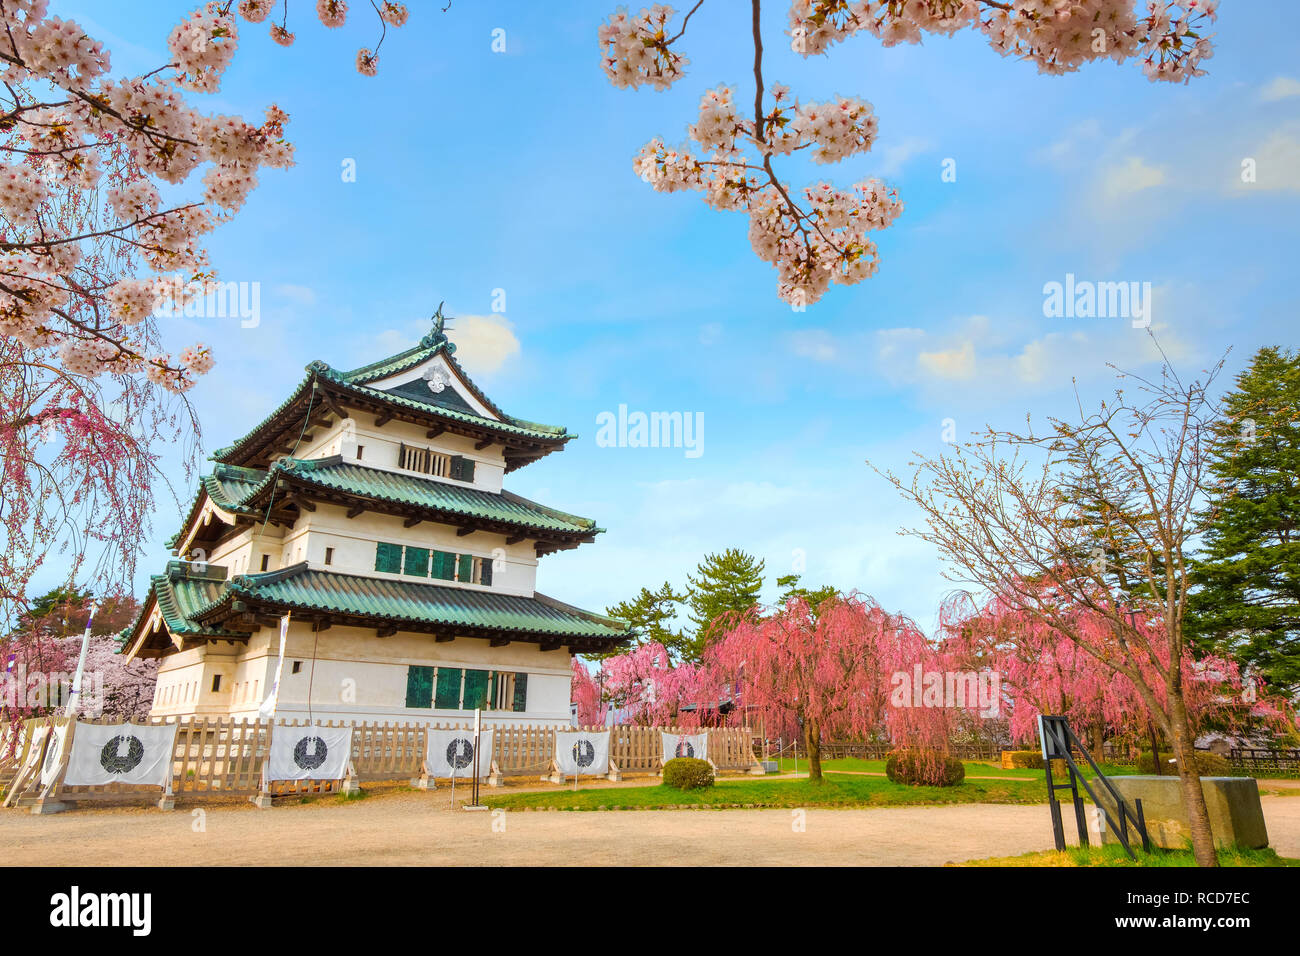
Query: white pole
{"type": "Point", "coordinates": [75, 697]}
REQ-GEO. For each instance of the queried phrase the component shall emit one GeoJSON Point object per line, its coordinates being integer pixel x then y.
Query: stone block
{"type": "Point", "coordinates": [1236, 816]}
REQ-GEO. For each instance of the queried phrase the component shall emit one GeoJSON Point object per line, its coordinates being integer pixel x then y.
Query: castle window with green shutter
{"type": "Point", "coordinates": [388, 558]}
{"type": "Point", "coordinates": [417, 562]}
{"type": "Point", "coordinates": [448, 692]}
{"type": "Point", "coordinates": [444, 565]}
{"type": "Point", "coordinates": [419, 686]}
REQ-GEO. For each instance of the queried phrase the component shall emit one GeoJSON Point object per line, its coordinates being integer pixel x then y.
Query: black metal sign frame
{"type": "Point", "coordinates": [1058, 743]}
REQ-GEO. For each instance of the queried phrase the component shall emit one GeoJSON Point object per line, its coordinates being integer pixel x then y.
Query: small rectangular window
{"type": "Point", "coordinates": [361, 450]}
{"type": "Point", "coordinates": [297, 667]}
{"type": "Point", "coordinates": [266, 561]}
{"type": "Point", "coordinates": [419, 686]}
{"type": "Point", "coordinates": [417, 562]}
{"type": "Point", "coordinates": [444, 565]}
{"type": "Point", "coordinates": [216, 683]}
{"type": "Point", "coordinates": [329, 555]}
{"type": "Point", "coordinates": [485, 571]}
{"type": "Point", "coordinates": [477, 690]}
{"type": "Point", "coordinates": [465, 570]}
{"type": "Point", "coordinates": [520, 701]}
{"type": "Point", "coordinates": [388, 558]}
{"type": "Point", "coordinates": [448, 695]}
{"type": "Point", "coordinates": [461, 468]}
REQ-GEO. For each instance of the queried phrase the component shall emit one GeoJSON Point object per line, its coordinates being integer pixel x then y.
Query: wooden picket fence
{"type": "Point", "coordinates": [223, 756]}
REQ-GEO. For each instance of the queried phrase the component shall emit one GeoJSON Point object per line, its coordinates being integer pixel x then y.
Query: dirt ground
{"type": "Point", "coordinates": [405, 827]}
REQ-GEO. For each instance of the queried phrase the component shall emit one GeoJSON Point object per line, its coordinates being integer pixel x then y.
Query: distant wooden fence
{"type": "Point", "coordinates": [1258, 761]}
{"type": "Point", "coordinates": [223, 756]}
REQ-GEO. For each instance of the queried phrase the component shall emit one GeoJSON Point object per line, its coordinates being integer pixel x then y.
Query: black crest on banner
{"type": "Point", "coordinates": [310, 753]}
{"type": "Point", "coordinates": [685, 749]}
{"type": "Point", "coordinates": [584, 753]}
{"type": "Point", "coordinates": [112, 760]}
{"type": "Point", "coordinates": [460, 753]}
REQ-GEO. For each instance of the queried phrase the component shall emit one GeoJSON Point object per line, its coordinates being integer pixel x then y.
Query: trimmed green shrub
{"type": "Point", "coordinates": [1022, 759]}
{"type": "Point", "coordinates": [924, 768]}
{"type": "Point", "coordinates": [688, 773]}
{"type": "Point", "coordinates": [1207, 764]}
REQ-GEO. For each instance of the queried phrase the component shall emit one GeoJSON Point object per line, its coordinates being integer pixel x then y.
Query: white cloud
{"type": "Point", "coordinates": [1133, 175]}
{"type": "Point", "coordinates": [297, 294]}
{"type": "Point", "coordinates": [894, 157]}
{"type": "Point", "coordinates": [1276, 162]}
{"type": "Point", "coordinates": [483, 342]}
{"type": "Point", "coordinates": [815, 344]}
{"type": "Point", "coordinates": [995, 358]}
{"type": "Point", "coordinates": [957, 364]}
{"type": "Point", "coordinates": [1280, 88]}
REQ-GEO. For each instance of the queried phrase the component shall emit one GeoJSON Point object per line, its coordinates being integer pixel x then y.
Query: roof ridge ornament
{"type": "Point", "coordinates": [438, 335]}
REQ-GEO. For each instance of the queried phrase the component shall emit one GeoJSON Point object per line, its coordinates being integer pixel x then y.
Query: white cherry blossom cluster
{"type": "Point", "coordinates": [332, 13]}
{"type": "Point", "coordinates": [635, 49]}
{"type": "Point", "coordinates": [825, 245]}
{"type": "Point", "coordinates": [393, 13]}
{"type": "Point", "coordinates": [812, 246]}
{"type": "Point", "coordinates": [835, 130]}
{"type": "Point", "coordinates": [1058, 36]}
{"type": "Point", "coordinates": [255, 11]}
{"type": "Point", "coordinates": [49, 46]}
{"type": "Point", "coordinates": [202, 46]}
{"type": "Point", "coordinates": [821, 238]}
{"type": "Point", "coordinates": [21, 194]}
{"type": "Point", "coordinates": [67, 259]}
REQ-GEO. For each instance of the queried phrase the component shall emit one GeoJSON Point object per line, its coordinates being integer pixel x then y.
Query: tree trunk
{"type": "Point", "coordinates": [1198, 816]}
{"type": "Point", "coordinates": [812, 737]}
{"type": "Point", "coordinates": [1099, 742]}
{"type": "Point", "coordinates": [1155, 750]}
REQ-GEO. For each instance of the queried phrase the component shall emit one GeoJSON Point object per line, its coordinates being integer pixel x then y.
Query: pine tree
{"type": "Point", "coordinates": [652, 615]}
{"type": "Point", "coordinates": [1247, 598]}
{"type": "Point", "coordinates": [790, 588]}
{"type": "Point", "coordinates": [726, 583]}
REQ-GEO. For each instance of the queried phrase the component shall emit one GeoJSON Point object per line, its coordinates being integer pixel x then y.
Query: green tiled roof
{"type": "Point", "coordinates": [229, 486]}
{"type": "Point", "coordinates": [359, 381]}
{"type": "Point", "coordinates": [408, 602]}
{"type": "Point", "coordinates": [234, 489]}
{"type": "Point", "coordinates": [508, 423]}
{"type": "Point", "coordinates": [394, 487]}
{"type": "Point", "coordinates": [181, 592]}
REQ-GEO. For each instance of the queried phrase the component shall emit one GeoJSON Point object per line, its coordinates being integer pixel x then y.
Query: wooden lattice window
{"type": "Point", "coordinates": [424, 460]}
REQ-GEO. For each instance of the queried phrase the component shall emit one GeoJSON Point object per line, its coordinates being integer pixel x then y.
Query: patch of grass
{"type": "Point", "coordinates": [1114, 855]}
{"type": "Point", "coordinates": [836, 791]}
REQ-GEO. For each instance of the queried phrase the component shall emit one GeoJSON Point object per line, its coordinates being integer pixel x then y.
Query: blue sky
{"type": "Point", "coordinates": [478, 171]}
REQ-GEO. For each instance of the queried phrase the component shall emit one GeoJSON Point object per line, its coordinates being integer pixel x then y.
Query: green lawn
{"type": "Point", "coordinates": [1113, 855]}
{"type": "Point", "coordinates": [837, 791]}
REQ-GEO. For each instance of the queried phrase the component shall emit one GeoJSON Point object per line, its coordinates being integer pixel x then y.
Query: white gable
{"type": "Point", "coordinates": [437, 372]}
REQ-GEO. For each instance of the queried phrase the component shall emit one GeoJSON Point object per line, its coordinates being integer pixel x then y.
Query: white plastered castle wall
{"type": "Point", "coordinates": [351, 674]}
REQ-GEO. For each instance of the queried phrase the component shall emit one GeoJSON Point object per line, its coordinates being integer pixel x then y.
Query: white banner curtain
{"type": "Point", "coordinates": [451, 754]}
{"type": "Point", "coordinates": [267, 710]}
{"type": "Point", "coordinates": [685, 745]}
{"type": "Point", "coordinates": [53, 754]}
{"type": "Point", "coordinates": [121, 753]}
{"type": "Point", "coordinates": [582, 752]}
{"type": "Point", "coordinates": [310, 752]}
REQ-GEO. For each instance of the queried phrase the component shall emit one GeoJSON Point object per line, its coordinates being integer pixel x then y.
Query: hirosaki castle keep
{"type": "Point", "coordinates": [369, 506]}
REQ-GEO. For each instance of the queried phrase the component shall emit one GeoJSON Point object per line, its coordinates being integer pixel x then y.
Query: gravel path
{"type": "Point", "coordinates": [420, 828]}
